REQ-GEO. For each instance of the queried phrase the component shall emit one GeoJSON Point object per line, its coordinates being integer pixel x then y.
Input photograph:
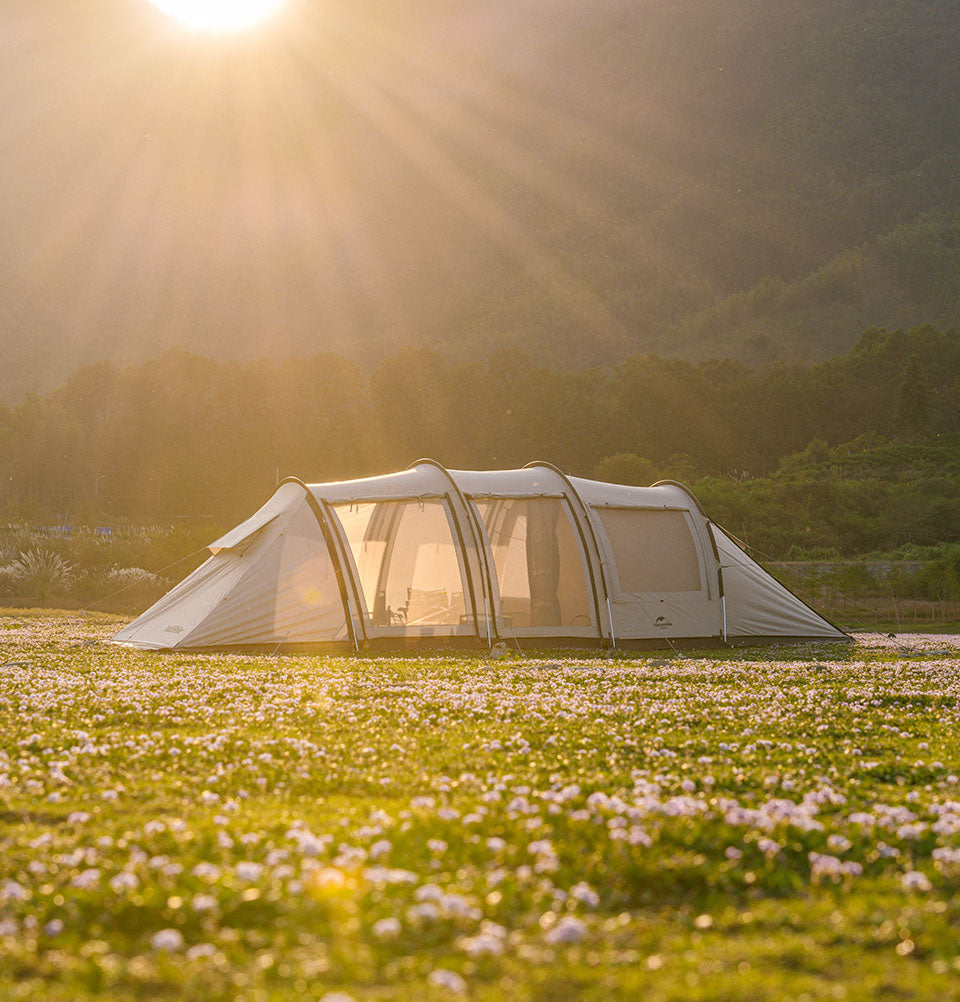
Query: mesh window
{"type": "Point", "coordinates": [654, 550]}
{"type": "Point", "coordinates": [540, 570]}
{"type": "Point", "coordinates": [408, 564]}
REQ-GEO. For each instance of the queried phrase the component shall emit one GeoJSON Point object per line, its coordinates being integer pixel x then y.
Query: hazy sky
{"type": "Point", "coordinates": [356, 174]}
{"type": "Point", "coordinates": [316, 181]}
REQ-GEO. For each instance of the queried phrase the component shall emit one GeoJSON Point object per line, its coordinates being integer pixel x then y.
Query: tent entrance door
{"type": "Point", "coordinates": [410, 571]}
{"type": "Point", "coordinates": [537, 566]}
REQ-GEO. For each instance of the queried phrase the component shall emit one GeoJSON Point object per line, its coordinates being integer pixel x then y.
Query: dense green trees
{"type": "Point", "coordinates": [857, 453]}
{"type": "Point", "coordinates": [626, 468]}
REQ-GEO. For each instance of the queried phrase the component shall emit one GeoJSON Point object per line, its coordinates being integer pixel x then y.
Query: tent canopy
{"type": "Point", "coordinates": [432, 555]}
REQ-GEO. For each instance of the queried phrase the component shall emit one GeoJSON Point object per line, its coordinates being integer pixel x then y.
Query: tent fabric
{"type": "Point", "coordinates": [280, 589]}
{"type": "Point", "coordinates": [287, 595]}
{"type": "Point", "coordinates": [758, 605]}
{"type": "Point", "coordinates": [239, 538]}
{"type": "Point", "coordinates": [409, 567]}
{"type": "Point", "coordinates": [654, 551]}
{"type": "Point", "coordinates": [436, 554]}
{"type": "Point", "coordinates": [540, 571]}
{"type": "Point", "coordinates": [681, 612]}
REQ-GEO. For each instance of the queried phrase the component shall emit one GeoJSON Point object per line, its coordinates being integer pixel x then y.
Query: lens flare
{"type": "Point", "coordinates": [219, 15]}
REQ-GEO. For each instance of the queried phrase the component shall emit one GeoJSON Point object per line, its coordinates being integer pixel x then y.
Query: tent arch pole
{"type": "Point", "coordinates": [686, 490]}
{"type": "Point", "coordinates": [348, 562]}
{"type": "Point", "coordinates": [723, 597]}
{"type": "Point", "coordinates": [477, 542]}
{"type": "Point", "coordinates": [580, 517]}
{"type": "Point", "coordinates": [322, 520]}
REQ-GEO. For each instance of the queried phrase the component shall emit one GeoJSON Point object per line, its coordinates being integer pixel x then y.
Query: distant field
{"type": "Point", "coordinates": [878, 594]}
{"type": "Point", "coordinates": [760, 824]}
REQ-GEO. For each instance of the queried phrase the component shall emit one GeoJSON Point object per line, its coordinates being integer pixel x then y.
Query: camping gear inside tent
{"type": "Point", "coordinates": [437, 556]}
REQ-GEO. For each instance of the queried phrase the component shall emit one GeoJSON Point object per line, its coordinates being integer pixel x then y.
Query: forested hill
{"type": "Point", "coordinates": [189, 436]}
{"type": "Point", "coordinates": [584, 180]}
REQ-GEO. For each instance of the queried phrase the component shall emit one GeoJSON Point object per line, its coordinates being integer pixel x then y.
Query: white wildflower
{"type": "Point", "coordinates": [585, 894]}
{"type": "Point", "coordinates": [914, 880]}
{"type": "Point", "coordinates": [86, 879]}
{"type": "Point", "coordinates": [380, 848]}
{"type": "Point", "coordinates": [249, 872]}
{"type": "Point", "coordinates": [12, 891]}
{"type": "Point", "coordinates": [167, 939]}
{"type": "Point", "coordinates": [567, 931]}
{"type": "Point", "coordinates": [123, 881]}
{"type": "Point", "coordinates": [448, 980]}
{"type": "Point", "coordinates": [386, 928]}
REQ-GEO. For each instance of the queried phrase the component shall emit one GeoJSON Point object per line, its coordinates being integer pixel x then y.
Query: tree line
{"type": "Point", "coordinates": [188, 436]}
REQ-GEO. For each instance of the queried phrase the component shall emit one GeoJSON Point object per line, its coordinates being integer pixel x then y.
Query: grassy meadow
{"type": "Point", "coordinates": [758, 824]}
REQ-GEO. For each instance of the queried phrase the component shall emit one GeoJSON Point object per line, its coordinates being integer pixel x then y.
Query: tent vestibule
{"type": "Point", "coordinates": [437, 556]}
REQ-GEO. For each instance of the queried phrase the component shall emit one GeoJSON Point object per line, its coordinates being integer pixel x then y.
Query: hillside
{"type": "Point", "coordinates": [184, 435]}
{"type": "Point", "coordinates": [911, 271]}
{"type": "Point", "coordinates": [586, 181]}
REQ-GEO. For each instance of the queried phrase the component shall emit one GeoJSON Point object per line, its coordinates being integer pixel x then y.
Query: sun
{"type": "Point", "coordinates": [219, 15]}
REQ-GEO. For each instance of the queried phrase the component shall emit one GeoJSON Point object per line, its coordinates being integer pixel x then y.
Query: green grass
{"type": "Point", "coordinates": [659, 811]}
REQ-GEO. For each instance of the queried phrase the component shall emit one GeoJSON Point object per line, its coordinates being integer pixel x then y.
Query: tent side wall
{"type": "Point", "coordinates": [288, 594]}
{"type": "Point", "coordinates": [470, 535]}
{"type": "Point", "coordinates": [540, 564]}
{"type": "Point", "coordinates": [599, 585]}
{"type": "Point", "coordinates": [270, 581]}
{"type": "Point", "coordinates": [410, 557]}
{"type": "Point", "coordinates": [758, 606]}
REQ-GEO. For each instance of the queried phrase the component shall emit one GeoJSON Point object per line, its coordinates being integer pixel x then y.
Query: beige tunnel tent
{"type": "Point", "coordinates": [432, 555]}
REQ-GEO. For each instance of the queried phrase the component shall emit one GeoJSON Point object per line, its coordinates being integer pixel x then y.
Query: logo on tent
{"type": "Point", "coordinates": [661, 622]}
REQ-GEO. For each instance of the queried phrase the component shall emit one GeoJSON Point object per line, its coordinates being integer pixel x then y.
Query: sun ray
{"type": "Point", "coordinates": [219, 15]}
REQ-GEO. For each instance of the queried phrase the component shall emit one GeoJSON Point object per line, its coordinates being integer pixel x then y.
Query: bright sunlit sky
{"type": "Point", "coordinates": [332, 172]}
{"type": "Point", "coordinates": [219, 15]}
{"type": "Point", "coordinates": [288, 176]}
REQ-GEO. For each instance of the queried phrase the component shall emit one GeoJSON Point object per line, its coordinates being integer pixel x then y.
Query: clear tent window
{"type": "Point", "coordinates": [408, 564]}
{"type": "Point", "coordinates": [540, 571]}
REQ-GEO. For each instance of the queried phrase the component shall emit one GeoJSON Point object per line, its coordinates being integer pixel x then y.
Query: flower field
{"type": "Point", "coordinates": [756, 824]}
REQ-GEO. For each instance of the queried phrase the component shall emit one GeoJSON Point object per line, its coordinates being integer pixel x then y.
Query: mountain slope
{"type": "Point", "coordinates": [912, 271]}
{"type": "Point", "coordinates": [587, 180]}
